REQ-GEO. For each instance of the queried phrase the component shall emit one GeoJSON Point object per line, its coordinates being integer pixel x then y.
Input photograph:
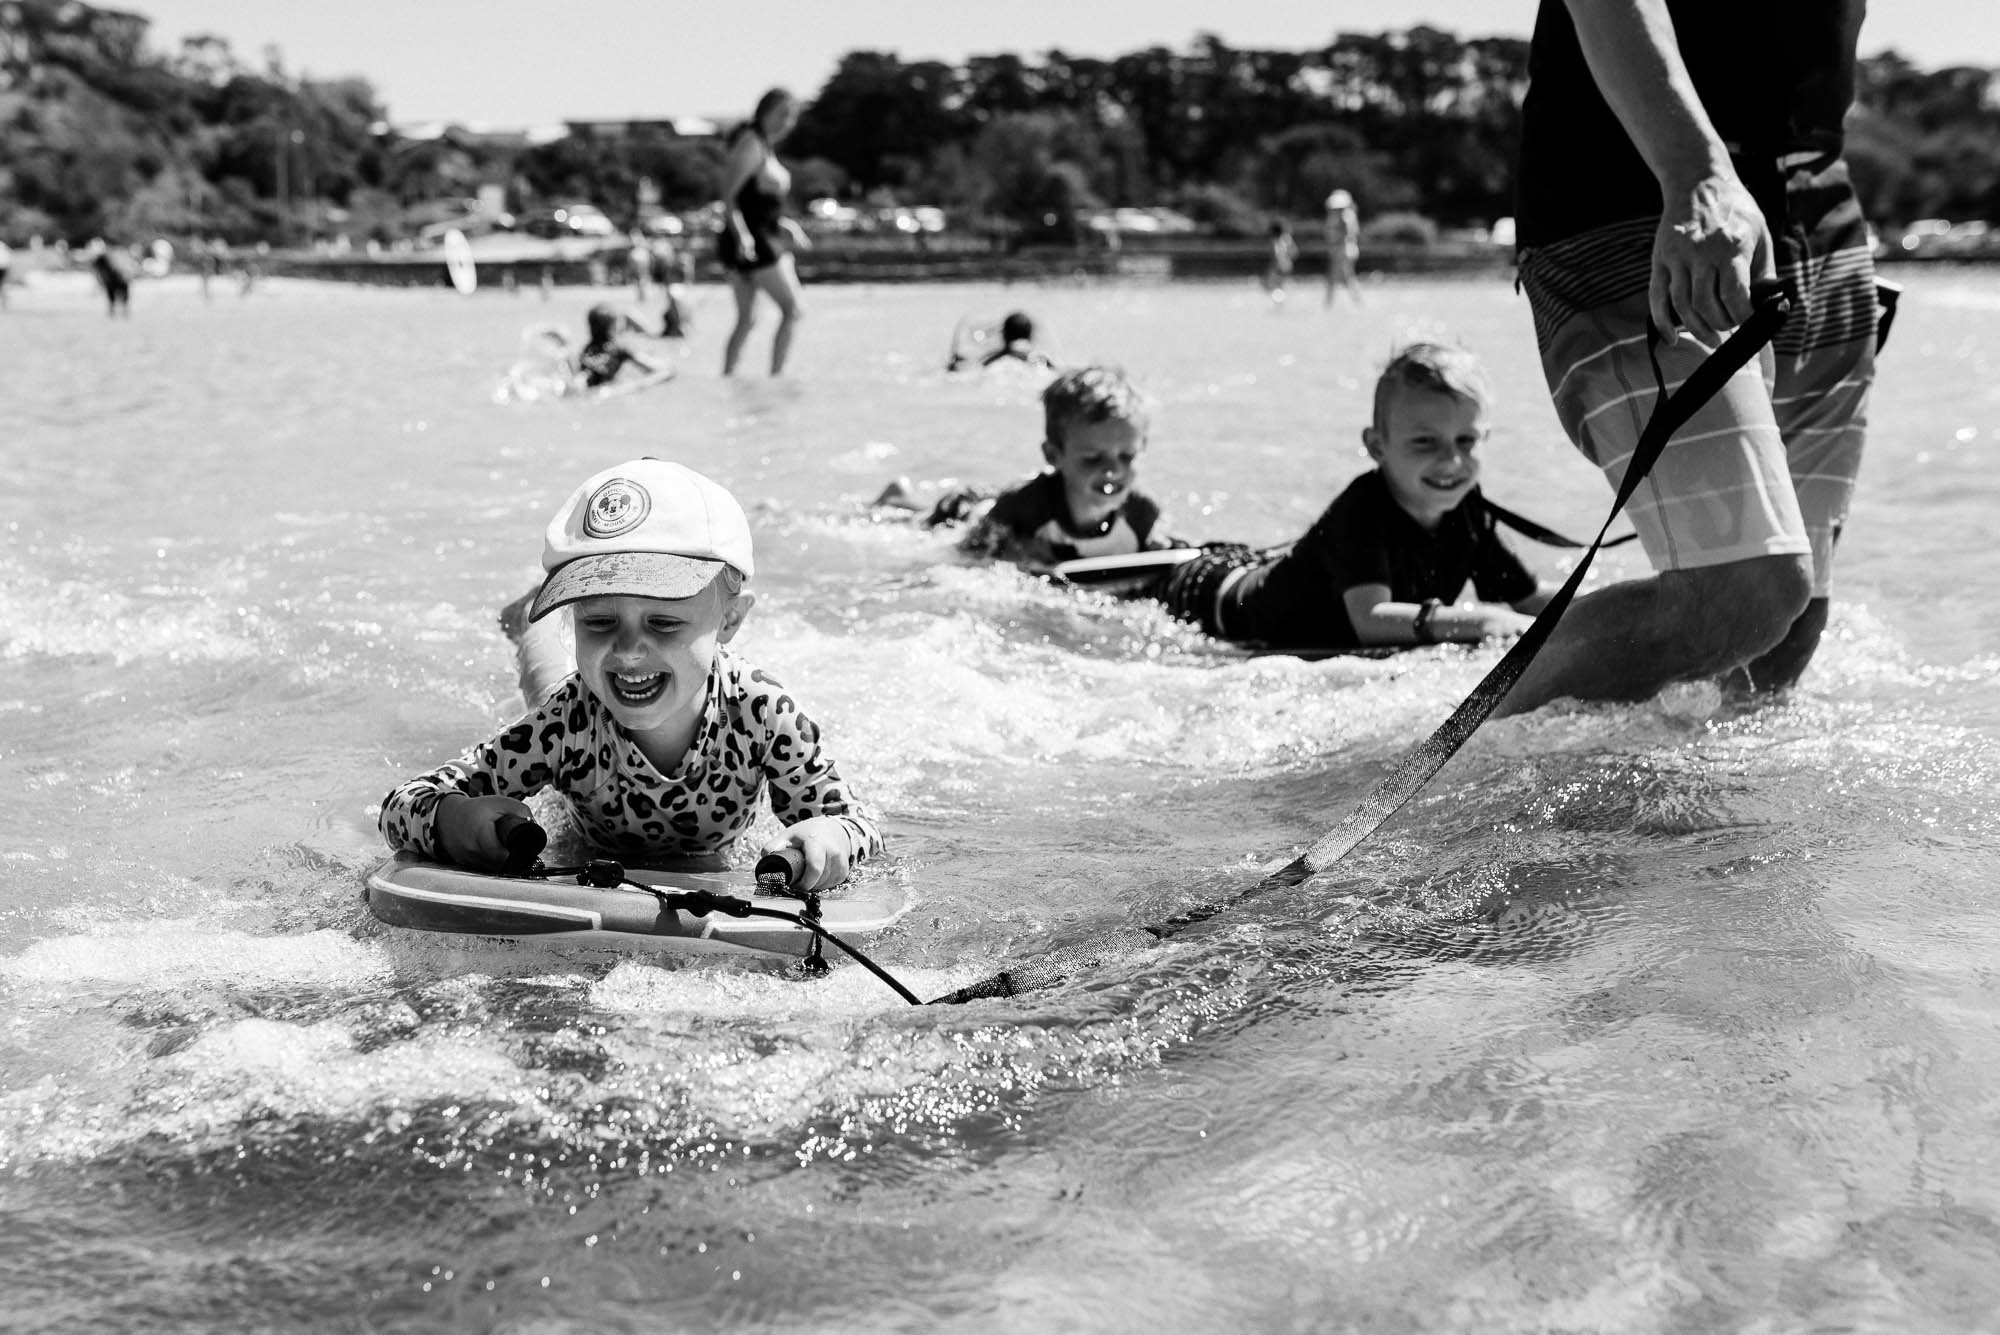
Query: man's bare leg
{"type": "Point", "coordinates": [1628, 641]}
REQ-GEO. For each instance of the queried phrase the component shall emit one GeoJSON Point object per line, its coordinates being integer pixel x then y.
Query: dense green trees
{"type": "Point", "coordinates": [100, 136]}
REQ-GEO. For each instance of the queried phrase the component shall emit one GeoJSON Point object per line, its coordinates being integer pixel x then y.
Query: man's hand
{"type": "Point", "coordinates": [1711, 245]}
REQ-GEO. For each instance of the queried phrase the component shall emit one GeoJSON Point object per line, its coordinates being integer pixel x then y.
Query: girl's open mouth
{"type": "Point", "coordinates": [638, 690]}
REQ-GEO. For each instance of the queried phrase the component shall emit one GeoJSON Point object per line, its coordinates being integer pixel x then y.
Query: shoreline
{"type": "Point", "coordinates": [951, 260]}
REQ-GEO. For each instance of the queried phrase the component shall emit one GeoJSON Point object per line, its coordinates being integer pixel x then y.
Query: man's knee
{"type": "Point", "coordinates": [1731, 613]}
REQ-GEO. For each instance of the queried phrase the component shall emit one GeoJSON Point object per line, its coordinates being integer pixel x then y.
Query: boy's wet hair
{"type": "Point", "coordinates": [1090, 394]}
{"type": "Point", "coordinates": [1018, 327]}
{"type": "Point", "coordinates": [603, 323]}
{"type": "Point", "coordinates": [1433, 368]}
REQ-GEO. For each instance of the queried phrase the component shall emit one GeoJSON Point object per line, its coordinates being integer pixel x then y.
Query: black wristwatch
{"type": "Point", "coordinates": [1420, 624]}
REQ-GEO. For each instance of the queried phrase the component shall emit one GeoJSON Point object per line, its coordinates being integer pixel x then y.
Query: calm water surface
{"type": "Point", "coordinates": [1644, 1018]}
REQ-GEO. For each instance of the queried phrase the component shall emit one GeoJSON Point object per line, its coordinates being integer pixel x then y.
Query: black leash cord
{"type": "Point", "coordinates": [604, 874]}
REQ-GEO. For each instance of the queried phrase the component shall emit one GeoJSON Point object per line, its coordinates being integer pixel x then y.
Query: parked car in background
{"type": "Point", "coordinates": [565, 221]}
{"type": "Point", "coordinates": [1924, 234]}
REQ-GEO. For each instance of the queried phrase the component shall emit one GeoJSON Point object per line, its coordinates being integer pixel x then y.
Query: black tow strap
{"type": "Point", "coordinates": [1670, 413]}
{"type": "Point", "coordinates": [1541, 533]}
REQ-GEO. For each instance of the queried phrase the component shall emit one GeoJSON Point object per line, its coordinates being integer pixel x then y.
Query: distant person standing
{"type": "Point", "coordinates": [110, 268]}
{"type": "Point", "coordinates": [1672, 154]}
{"type": "Point", "coordinates": [1343, 246]}
{"type": "Point", "coordinates": [1278, 265]}
{"type": "Point", "coordinates": [639, 265]}
{"type": "Point", "coordinates": [6, 265]}
{"type": "Point", "coordinates": [204, 264]}
{"type": "Point", "coordinates": [757, 239]}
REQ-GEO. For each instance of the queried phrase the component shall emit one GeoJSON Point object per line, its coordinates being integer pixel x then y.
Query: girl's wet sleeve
{"type": "Point", "coordinates": [517, 762]}
{"type": "Point", "coordinates": [805, 782]}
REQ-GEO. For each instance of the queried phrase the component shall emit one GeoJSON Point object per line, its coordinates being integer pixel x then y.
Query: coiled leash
{"type": "Point", "coordinates": [1771, 305]}
{"type": "Point", "coordinates": [776, 872]}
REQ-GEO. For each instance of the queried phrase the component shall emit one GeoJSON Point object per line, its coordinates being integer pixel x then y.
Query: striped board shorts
{"type": "Point", "coordinates": [1765, 468]}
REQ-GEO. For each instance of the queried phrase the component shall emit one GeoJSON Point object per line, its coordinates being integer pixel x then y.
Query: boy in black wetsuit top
{"type": "Point", "coordinates": [1086, 504]}
{"type": "Point", "coordinates": [1016, 339]}
{"type": "Point", "coordinates": [606, 354]}
{"type": "Point", "coordinates": [1387, 561]}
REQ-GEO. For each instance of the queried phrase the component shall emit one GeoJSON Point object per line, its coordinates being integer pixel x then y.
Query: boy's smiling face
{"type": "Point", "coordinates": [648, 659]}
{"type": "Point", "coordinates": [1424, 446]}
{"type": "Point", "coordinates": [1097, 461]}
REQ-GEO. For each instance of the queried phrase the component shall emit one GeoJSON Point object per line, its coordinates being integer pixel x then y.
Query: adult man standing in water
{"type": "Point", "coordinates": [1674, 151]}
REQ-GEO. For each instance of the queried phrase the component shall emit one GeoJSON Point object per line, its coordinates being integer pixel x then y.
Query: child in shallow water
{"type": "Point", "coordinates": [607, 353]}
{"type": "Point", "coordinates": [661, 741]}
{"type": "Point", "coordinates": [1014, 341]}
{"type": "Point", "coordinates": [1387, 561]}
{"type": "Point", "coordinates": [1086, 503]}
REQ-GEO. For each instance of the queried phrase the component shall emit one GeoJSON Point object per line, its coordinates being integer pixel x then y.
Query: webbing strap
{"type": "Point", "coordinates": [1670, 414]}
{"type": "Point", "coordinates": [1542, 533]}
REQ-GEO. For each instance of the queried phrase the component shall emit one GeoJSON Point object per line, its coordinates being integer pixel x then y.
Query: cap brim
{"type": "Point", "coordinates": [630, 574]}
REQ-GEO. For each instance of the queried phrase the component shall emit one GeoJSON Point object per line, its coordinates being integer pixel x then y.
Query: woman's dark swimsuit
{"type": "Point", "coordinates": [763, 212]}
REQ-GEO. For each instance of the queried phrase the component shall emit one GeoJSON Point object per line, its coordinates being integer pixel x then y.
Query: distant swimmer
{"type": "Point", "coordinates": [757, 240]}
{"type": "Point", "coordinates": [1386, 563]}
{"type": "Point", "coordinates": [1087, 503]}
{"type": "Point", "coordinates": [607, 354]}
{"type": "Point", "coordinates": [1013, 340]}
{"type": "Point", "coordinates": [552, 366]}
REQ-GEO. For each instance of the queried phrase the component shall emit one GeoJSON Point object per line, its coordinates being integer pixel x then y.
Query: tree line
{"type": "Point", "coordinates": [105, 136]}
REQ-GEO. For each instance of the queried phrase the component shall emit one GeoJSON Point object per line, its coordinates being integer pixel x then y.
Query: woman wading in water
{"type": "Point", "coordinates": [757, 239]}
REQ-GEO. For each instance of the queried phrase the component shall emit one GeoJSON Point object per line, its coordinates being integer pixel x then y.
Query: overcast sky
{"type": "Point", "coordinates": [513, 62]}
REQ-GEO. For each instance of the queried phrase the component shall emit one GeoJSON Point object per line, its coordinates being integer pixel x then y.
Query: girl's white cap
{"type": "Point", "coordinates": [645, 529]}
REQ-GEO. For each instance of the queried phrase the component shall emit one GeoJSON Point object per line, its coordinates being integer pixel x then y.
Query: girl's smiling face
{"type": "Point", "coordinates": [648, 659]}
{"type": "Point", "coordinates": [1425, 449]}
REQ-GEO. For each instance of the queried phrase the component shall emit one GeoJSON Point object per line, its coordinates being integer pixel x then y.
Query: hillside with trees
{"type": "Point", "coordinates": [105, 136]}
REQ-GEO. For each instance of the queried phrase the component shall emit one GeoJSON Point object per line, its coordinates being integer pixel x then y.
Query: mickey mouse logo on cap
{"type": "Point", "coordinates": [619, 506]}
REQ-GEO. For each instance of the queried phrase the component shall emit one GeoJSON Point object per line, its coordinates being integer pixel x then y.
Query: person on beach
{"type": "Point", "coordinates": [1672, 154]}
{"type": "Point", "coordinates": [1342, 227]}
{"type": "Point", "coordinates": [1086, 503]}
{"type": "Point", "coordinates": [1014, 342]}
{"type": "Point", "coordinates": [1278, 266]}
{"type": "Point", "coordinates": [6, 267]}
{"type": "Point", "coordinates": [1386, 563]}
{"type": "Point", "coordinates": [111, 269]}
{"type": "Point", "coordinates": [662, 742]}
{"type": "Point", "coordinates": [757, 240]}
{"type": "Point", "coordinates": [639, 265]}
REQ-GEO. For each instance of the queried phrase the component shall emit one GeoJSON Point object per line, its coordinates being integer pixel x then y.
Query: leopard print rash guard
{"type": "Point", "coordinates": [753, 737]}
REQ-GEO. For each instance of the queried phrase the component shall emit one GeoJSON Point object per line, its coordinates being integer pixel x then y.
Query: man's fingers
{"type": "Point", "coordinates": [1686, 306]}
{"type": "Point", "coordinates": [1659, 306]}
{"type": "Point", "coordinates": [1733, 293]}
